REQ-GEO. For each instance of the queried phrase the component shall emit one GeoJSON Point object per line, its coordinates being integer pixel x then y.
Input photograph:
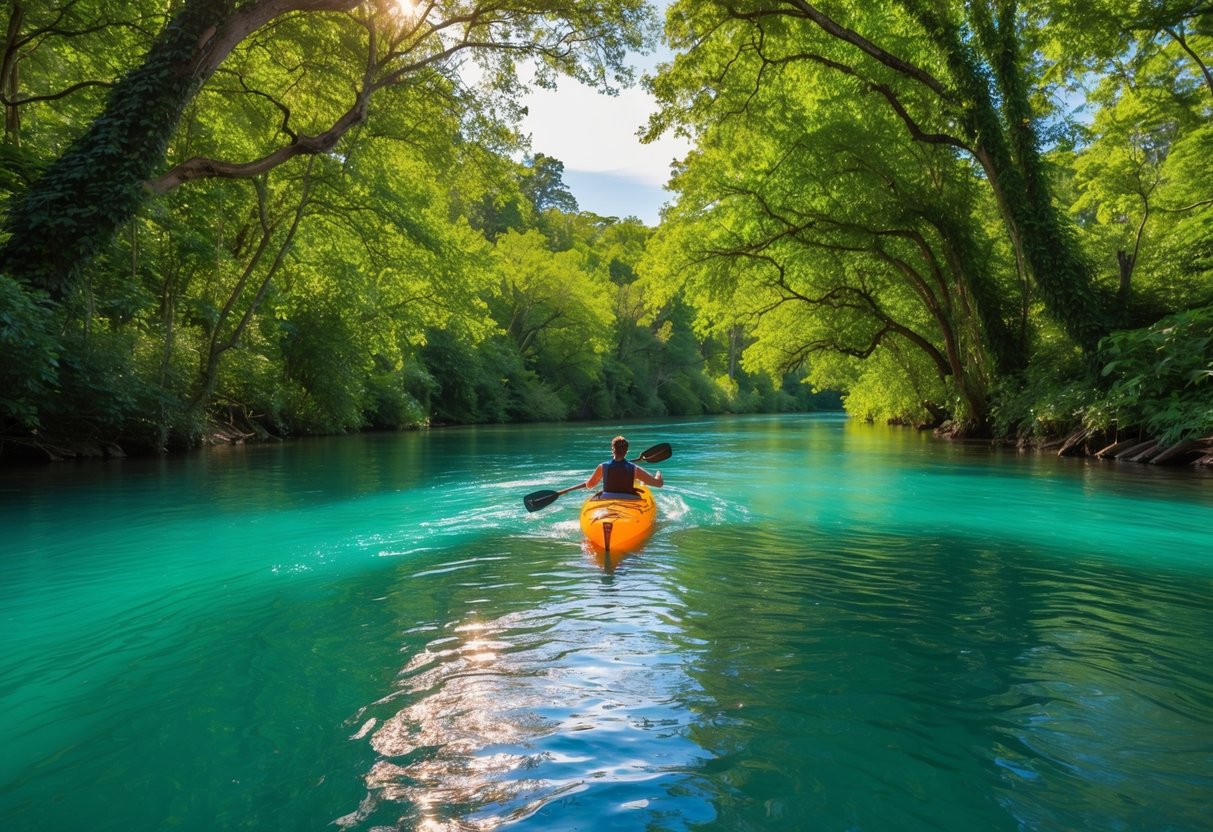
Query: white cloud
{"type": "Point", "coordinates": [606, 167]}
{"type": "Point", "coordinates": [595, 133]}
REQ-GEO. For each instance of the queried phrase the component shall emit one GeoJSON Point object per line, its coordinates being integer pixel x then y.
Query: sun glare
{"type": "Point", "coordinates": [411, 9]}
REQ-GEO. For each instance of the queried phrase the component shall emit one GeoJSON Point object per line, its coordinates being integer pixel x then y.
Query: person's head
{"type": "Point", "coordinates": [619, 447]}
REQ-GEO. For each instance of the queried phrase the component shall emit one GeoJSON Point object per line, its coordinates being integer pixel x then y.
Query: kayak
{"type": "Point", "coordinates": [615, 523]}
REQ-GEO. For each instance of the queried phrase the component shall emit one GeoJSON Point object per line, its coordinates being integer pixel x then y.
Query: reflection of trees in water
{"type": "Point", "coordinates": [875, 678]}
{"type": "Point", "coordinates": [495, 720]}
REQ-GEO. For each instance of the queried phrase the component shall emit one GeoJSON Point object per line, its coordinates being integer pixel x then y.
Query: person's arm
{"type": "Point", "coordinates": [645, 477]}
{"type": "Point", "coordinates": [595, 477]}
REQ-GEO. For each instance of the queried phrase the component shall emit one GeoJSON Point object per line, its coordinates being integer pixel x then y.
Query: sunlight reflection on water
{"type": "Point", "coordinates": [494, 719]}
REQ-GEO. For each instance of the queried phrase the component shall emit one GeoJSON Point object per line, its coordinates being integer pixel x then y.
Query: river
{"type": "Point", "coordinates": [834, 626]}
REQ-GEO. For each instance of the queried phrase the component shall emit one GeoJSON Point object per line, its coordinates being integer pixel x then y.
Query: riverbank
{"type": "Point", "coordinates": [1139, 449]}
{"type": "Point", "coordinates": [1135, 448]}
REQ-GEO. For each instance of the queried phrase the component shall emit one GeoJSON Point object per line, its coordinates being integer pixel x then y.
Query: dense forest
{"type": "Point", "coordinates": [256, 218]}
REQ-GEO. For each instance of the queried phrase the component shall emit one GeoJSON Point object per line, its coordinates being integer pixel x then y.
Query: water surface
{"type": "Point", "coordinates": [834, 626]}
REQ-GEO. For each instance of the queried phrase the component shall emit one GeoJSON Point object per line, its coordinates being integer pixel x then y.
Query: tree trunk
{"type": "Point", "coordinates": [9, 77]}
{"type": "Point", "coordinates": [998, 121]}
{"type": "Point", "coordinates": [220, 342]}
{"type": "Point", "coordinates": [734, 350]}
{"type": "Point", "coordinates": [1039, 236]}
{"type": "Point", "coordinates": [1124, 261]}
{"type": "Point", "coordinates": [97, 184]}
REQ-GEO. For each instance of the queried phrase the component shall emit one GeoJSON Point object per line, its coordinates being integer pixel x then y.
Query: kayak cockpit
{"type": "Point", "coordinates": [616, 495]}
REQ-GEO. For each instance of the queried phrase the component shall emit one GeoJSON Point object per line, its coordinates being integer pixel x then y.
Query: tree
{"type": "Point", "coordinates": [1104, 38]}
{"type": "Point", "coordinates": [799, 218]}
{"type": "Point", "coordinates": [32, 72]}
{"type": "Point", "coordinates": [544, 185]}
{"type": "Point", "coordinates": [101, 180]}
{"type": "Point", "coordinates": [1142, 189]}
{"type": "Point", "coordinates": [957, 78]}
{"type": "Point", "coordinates": [549, 304]}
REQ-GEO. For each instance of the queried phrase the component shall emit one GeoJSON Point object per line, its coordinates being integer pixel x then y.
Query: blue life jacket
{"type": "Point", "coordinates": [619, 477]}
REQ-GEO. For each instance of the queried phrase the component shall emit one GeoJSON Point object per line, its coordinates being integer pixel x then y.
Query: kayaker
{"type": "Point", "coordinates": [619, 476]}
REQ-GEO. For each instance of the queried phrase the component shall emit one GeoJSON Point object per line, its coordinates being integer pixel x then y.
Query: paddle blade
{"type": "Point", "coordinates": [539, 499]}
{"type": "Point", "coordinates": [657, 453]}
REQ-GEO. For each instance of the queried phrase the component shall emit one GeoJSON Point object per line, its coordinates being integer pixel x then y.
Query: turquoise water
{"type": "Point", "coordinates": [833, 627]}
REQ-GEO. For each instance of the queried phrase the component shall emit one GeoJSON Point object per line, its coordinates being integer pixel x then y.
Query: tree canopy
{"type": "Point", "coordinates": [274, 217]}
{"type": "Point", "coordinates": [903, 199]}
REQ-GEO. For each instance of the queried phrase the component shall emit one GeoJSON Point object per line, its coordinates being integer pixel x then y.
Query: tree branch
{"type": "Point", "coordinates": [884, 90]}
{"type": "Point", "coordinates": [1178, 37]}
{"type": "Point", "coordinates": [214, 46]}
{"type": "Point", "coordinates": [831, 27]}
{"type": "Point", "coordinates": [1186, 208]}
{"type": "Point", "coordinates": [32, 99]}
{"type": "Point", "coordinates": [203, 168]}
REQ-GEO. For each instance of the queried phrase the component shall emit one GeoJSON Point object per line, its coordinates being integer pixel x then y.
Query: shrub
{"type": "Point", "coordinates": [29, 355]}
{"type": "Point", "coordinates": [1161, 378]}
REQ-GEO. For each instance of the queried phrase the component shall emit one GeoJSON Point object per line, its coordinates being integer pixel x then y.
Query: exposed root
{"type": "Point", "coordinates": [1142, 452]}
{"type": "Point", "coordinates": [1175, 452]}
{"type": "Point", "coordinates": [1115, 448]}
{"type": "Point", "coordinates": [1152, 452]}
{"type": "Point", "coordinates": [1075, 443]}
{"type": "Point", "coordinates": [1097, 444]}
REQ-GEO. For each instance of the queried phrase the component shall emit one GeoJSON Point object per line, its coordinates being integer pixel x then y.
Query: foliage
{"type": "Point", "coordinates": [29, 356]}
{"type": "Point", "coordinates": [1142, 190]}
{"type": "Point", "coordinates": [328, 223]}
{"type": "Point", "coordinates": [1046, 399]}
{"type": "Point", "coordinates": [544, 185]}
{"type": "Point", "coordinates": [102, 179]}
{"type": "Point", "coordinates": [1161, 378]}
{"type": "Point", "coordinates": [1155, 382]}
{"type": "Point", "coordinates": [950, 78]}
{"type": "Point", "coordinates": [888, 197]}
{"type": "Point", "coordinates": [821, 237]}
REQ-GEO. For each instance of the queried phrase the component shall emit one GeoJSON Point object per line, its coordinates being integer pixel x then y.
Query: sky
{"type": "Point", "coordinates": [606, 167]}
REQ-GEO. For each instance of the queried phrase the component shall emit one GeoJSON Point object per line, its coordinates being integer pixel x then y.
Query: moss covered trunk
{"type": "Point", "coordinates": [88, 193]}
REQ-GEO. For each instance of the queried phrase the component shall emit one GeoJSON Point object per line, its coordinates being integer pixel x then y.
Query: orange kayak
{"type": "Point", "coordinates": [618, 524]}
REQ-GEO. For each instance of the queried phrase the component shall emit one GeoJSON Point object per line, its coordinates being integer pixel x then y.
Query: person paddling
{"type": "Point", "coordinates": [619, 476]}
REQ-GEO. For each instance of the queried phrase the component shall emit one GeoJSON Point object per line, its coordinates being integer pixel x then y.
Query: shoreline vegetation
{"type": "Point", "coordinates": [1193, 453]}
{"type": "Point", "coordinates": [230, 220]}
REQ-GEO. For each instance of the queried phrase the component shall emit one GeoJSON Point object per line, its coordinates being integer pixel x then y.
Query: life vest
{"type": "Point", "coordinates": [619, 476]}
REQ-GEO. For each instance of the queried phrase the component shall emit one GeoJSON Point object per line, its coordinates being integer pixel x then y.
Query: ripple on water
{"type": "Point", "coordinates": [1044, 685]}
{"type": "Point", "coordinates": [495, 719]}
{"type": "Point", "coordinates": [869, 644]}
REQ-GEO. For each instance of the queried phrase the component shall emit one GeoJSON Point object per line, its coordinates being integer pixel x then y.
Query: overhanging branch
{"type": "Point", "coordinates": [55, 96]}
{"type": "Point", "coordinates": [204, 168]}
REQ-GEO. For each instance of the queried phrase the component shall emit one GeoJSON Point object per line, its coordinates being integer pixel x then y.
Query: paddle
{"type": "Point", "coordinates": [542, 499]}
